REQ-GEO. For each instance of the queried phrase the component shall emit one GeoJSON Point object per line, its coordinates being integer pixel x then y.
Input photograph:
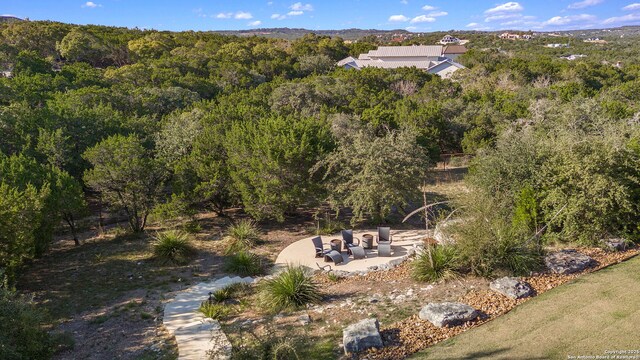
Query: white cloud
{"type": "Point", "coordinates": [476, 26]}
{"type": "Point", "coordinates": [502, 17]}
{"type": "Point", "coordinates": [295, 13]}
{"type": "Point", "coordinates": [241, 15]}
{"type": "Point", "coordinates": [510, 6]}
{"type": "Point", "coordinates": [584, 3]}
{"type": "Point", "coordinates": [255, 23]}
{"type": "Point", "coordinates": [437, 13]}
{"type": "Point", "coordinates": [622, 19]}
{"type": "Point", "coordinates": [521, 22]}
{"type": "Point", "coordinates": [301, 7]}
{"type": "Point", "coordinates": [398, 18]}
{"type": "Point", "coordinates": [404, 2]}
{"type": "Point", "coordinates": [422, 18]}
{"type": "Point", "coordinates": [91, 4]}
{"type": "Point", "coordinates": [278, 16]}
{"type": "Point", "coordinates": [567, 20]}
{"type": "Point", "coordinates": [224, 16]}
{"type": "Point", "coordinates": [632, 7]}
{"type": "Point", "coordinates": [270, 3]}
{"type": "Point", "coordinates": [428, 8]}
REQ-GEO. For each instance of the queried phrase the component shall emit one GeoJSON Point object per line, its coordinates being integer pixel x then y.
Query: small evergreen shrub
{"type": "Point", "coordinates": [442, 264]}
{"type": "Point", "coordinates": [244, 263]}
{"type": "Point", "coordinates": [291, 289]}
{"type": "Point", "coordinates": [241, 236]}
{"type": "Point", "coordinates": [173, 246]}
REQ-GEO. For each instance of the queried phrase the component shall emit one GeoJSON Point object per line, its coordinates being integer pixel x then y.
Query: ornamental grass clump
{"type": "Point", "coordinates": [244, 263]}
{"type": "Point", "coordinates": [173, 246]}
{"type": "Point", "coordinates": [241, 236]}
{"type": "Point", "coordinates": [291, 289]}
{"type": "Point", "coordinates": [440, 263]}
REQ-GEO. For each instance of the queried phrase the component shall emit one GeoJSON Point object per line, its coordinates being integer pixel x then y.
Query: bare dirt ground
{"type": "Point", "coordinates": [108, 293]}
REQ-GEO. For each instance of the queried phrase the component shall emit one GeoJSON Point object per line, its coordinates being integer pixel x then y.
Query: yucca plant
{"type": "Point", "coordinates": [229, 292]}
{"type": "Point", "coordinates": [289, 290]}
{"type": "Point", "coordinates": [214, 310]}
{"type": "Point", "coordinates": [435, 263]}
{"type": "Point", "coordinates": [173, 246]}
{"type": "Point", "coordinates": [244, 263]}
{"type": "Point", "coordinates": [241, 236]}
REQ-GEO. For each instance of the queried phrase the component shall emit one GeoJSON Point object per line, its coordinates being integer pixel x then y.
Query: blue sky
{"type": "Point", "coordinates": [413, 15]}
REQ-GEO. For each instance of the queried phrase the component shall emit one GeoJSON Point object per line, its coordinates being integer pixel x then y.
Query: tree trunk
{"type": "Point", "coordinates": [68, 217]}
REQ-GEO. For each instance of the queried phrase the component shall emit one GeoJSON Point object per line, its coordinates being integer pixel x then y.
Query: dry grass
{"type": "Point", "coordinates": [593, 314]}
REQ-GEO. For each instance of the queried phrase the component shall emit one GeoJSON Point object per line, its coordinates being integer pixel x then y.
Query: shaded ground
{"type": "Point", "coordinates": [108, 293]}
{"type": "Point", "coordinates": [591, 315]}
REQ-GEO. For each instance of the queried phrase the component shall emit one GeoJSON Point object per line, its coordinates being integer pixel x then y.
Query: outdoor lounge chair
{"type": "Point", "coordinates": [352, 249]}
{"type": "Point", "coordinates": [384, 241]}
{"type": "Point", "coordinates": [332, 255]}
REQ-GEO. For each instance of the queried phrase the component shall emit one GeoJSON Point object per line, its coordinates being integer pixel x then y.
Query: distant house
{"type": "Point", "coordinates": [513, 36]}
{"type": "Point", "coordinates": [595, 41]}
{"type": "Point", "coordinates": [435, 59]}
{"type": "Point", "coordinates": [572, 57]}
{"type": "Point", "coordinates": [6, 74]}
{"type": "Point", "coordinates": [449, 40]}
{"type": "Point", "coordinates": [557, 45]}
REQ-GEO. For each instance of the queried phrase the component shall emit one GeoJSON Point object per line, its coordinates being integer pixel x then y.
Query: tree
{"type": "Point", "coordinates": [126, 176]}
{"type": "Point", "coordinates": [152, 45]}
{"type": "Point", "coordinates": [80, 45]}
{"type": "Point", "coordinates": [20, 216]}
{"type": "Point", "coordinates": [269, 163]}
{"type": "Point", "coordinates": [373, 174]}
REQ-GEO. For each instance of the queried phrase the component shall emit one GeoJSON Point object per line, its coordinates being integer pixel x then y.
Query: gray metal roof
{"type": "Point", "coordinates": [407, 51]}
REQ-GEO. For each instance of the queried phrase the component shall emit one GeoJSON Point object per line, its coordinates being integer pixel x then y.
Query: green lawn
{"type": "Point", "coordinates": [595, 313]}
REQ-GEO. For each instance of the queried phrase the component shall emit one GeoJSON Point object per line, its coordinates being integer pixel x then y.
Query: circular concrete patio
{"type": "Point", "coordinates": [302, 252]}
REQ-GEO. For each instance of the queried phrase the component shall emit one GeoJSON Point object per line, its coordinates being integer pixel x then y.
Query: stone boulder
{"type": "Point", "coordinates": [616, 244]}
{"type": "Point", "coordinates": [362, 336]}
{"type": "Point", "coordinates": [567, 261]}
{"type": "Point", "coordinates": [448, 313]}
{"type": "Point", "coordinates": [511, 287]}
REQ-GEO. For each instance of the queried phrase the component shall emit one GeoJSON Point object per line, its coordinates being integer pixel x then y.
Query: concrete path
{"type": "Point", "coordinates": [302, 252]}
{"type": "Point", "coordinates": [196, 335]}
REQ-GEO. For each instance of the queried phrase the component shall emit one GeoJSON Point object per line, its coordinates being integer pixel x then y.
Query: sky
{"type": "Point", "coordinates": [412, 15]}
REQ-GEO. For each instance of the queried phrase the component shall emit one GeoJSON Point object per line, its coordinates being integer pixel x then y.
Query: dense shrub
{"type": "Point", "coordinates": [281, 346]}
{"type": "Point", "coordinates": [244, 263]}
{"type": "Point", "coordinates": [289, 290]}
{"type": "Point", "coordinates": [22, 336]}
{"type": "Point", "coordinates": [241, 236]}
{"type": "Point", "coordinates": [489, 241]}
{"type": "Point", "coordinates": [173, 246]}
{"type": "Point", "coordinates": [441, 263]}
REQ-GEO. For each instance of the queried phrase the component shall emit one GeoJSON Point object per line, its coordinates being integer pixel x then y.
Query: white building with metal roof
{"type": "Point", "coordinates": [431, 58]}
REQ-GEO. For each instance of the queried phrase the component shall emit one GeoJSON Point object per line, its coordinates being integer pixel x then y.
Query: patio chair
{"type": "Point", "coordinates": [332, 255]}
{"type": "Point", "coordinates": [352, 249]}
{"type": "Point", "coordinates": [384, 241]}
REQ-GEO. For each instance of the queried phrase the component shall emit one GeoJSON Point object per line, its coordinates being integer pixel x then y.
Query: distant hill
{"type": "Point", "coordinates": [354, 34]}
{"type": "Point", "coordinates": [287, 33]}
{"type": "Point", "coordinates": [4, 19]}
